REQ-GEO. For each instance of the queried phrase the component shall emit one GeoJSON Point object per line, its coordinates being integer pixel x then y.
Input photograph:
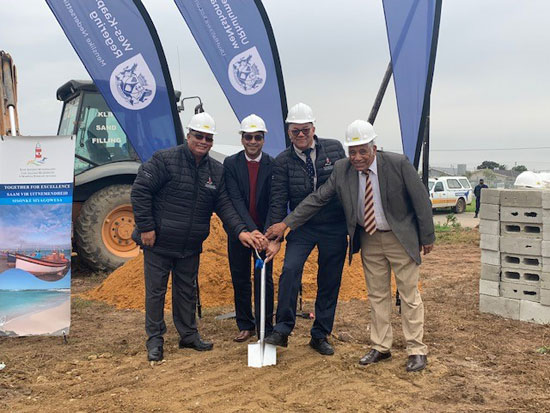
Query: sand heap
{"type": "Point", "coordinates": [124, 288]}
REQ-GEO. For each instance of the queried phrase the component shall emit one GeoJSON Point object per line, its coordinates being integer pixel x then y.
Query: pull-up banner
{"type": "Point", "coordinates": [36, 188]}
{"type": "Point", "coordinates": [237, 41]}
{"type": "Point", "coordinates": [410, 27]}
{"type": "Point", "coordinates": [119, 46]}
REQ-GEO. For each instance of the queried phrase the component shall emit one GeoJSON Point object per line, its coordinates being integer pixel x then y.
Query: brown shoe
{"type": "Point", "coordinates": [374, 356]}
{"type": "Point", "coordinates": [244, 335]}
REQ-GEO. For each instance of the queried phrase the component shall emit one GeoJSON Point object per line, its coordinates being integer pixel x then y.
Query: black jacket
{"type": "Point", "coordinates": [291, 183]}
{"type": "Point", "coordinates": [238, 187]}
{"type": "Point", "coordinates": [175, 197]}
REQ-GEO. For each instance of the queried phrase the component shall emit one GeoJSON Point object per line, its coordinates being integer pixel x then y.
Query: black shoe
{"type": "Point", "coordinates": [155, 353]}
{"type": "Point", "coordinates": [374, 356]}
{"type": "Point", "coordinates": [322, 346]}
{"type": "Point", "coordinates": [417, 362]}
{"type": "Point", "coordinates": [277, 339]}
{"type": "Point", "coordinates": [198, 344]}
{"type": "Point", "coordinates": [475, 216]}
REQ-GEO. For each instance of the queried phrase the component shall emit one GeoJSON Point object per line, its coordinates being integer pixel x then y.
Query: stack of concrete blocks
{"type": "Point", "coordinates": [515, 254]}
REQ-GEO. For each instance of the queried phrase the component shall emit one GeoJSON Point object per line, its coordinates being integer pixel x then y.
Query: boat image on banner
{"type": "Point", "coordinates": [132, 84]}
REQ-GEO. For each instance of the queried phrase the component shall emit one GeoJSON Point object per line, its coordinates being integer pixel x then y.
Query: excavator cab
{"type": "Point", "coordinates": [105, 168]}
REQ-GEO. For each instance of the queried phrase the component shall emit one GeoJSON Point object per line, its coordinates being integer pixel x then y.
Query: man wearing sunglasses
{"type": "Point", "coordinates": [248, 180]}
{"type": "Point", "coordinates": [173, 198]}
{"type": "Point", "coordinates": [305, 165]}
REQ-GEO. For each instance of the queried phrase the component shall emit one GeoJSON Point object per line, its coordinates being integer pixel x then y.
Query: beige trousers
{"type": "Point", "coordinates": [382, 252]}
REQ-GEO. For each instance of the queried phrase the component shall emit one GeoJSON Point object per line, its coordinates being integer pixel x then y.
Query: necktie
{"type": "Point", "coordinates": [369, 222]}
{"type": "Point", "coordinates": [309, 166]}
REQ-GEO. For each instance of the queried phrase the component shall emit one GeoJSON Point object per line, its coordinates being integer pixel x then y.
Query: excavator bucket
{"type": "Point", "coordinates": [9, 120]}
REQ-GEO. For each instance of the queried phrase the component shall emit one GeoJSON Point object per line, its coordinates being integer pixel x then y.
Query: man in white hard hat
{"type": "Point", "coordinates": [389, 217]}
{"type": "Point", "coordinates": [173, 198]}
{"type": "Point", "coordinates": [305, 165]}
{"type": "Point", "coordinates": [248, 180]}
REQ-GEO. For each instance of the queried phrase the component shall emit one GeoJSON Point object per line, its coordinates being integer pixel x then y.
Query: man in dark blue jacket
{"type": "Point", "coordinates": [248, 180]}
{"type": "Point", "coordinates": [298, 171]}
{"type": "Point", "coordinates": [173, 198]}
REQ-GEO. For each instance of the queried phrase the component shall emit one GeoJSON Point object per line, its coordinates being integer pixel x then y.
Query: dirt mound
{"type": "Point", "coordinates": [124, 288]}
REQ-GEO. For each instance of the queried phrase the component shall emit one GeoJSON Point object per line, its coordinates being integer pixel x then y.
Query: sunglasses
{"type": "Point", "coordinates": [258, 138]}
{"type": "Point", "coordinates": [296, 132]}
{"type": "Point", "coordinates": [200, 137]}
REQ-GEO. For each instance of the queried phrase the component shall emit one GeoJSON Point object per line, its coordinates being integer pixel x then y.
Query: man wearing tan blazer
{"type": "Point", "coordinates": [389, 217]}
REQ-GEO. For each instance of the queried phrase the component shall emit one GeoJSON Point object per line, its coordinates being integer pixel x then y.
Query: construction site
{"type": "Point", "coordinates": [75, 291]}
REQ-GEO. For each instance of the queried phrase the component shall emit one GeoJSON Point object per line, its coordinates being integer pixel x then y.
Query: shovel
{"type": "Point", "coordinates": [261, 354]}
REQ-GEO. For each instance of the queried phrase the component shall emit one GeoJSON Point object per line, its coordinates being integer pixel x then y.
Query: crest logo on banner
{"type": "Point", "coordinates": [247, 72]}
{"type": "Point", "coordinates": [39, 158]}
{"type": "Point", "coordinates": [133, 84]}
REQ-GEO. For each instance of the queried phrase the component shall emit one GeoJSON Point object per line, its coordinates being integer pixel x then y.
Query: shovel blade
{"type": "Point", "coordinates": [258, 358]}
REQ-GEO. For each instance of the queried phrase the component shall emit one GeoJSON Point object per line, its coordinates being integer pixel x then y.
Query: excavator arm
{"type": "Point", "coordinates": [9, 121]}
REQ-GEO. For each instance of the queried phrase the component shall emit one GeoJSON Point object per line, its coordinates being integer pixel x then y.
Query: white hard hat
{"type": "Point", "coordinates": [528, 179]}
{"type": "Point", "coordinates": [252, 123]}
{"type": "Point", "coordinates": [202, 122]}
{"type": "Point", "coordinates": [359, 132]}
{"type": "Point", "coordinates": [300, 113]}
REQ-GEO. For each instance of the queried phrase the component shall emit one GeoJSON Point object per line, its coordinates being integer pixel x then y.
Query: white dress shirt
{"type": "Point", "coordinates": [258, 159]}
{"type": "Point", "coordinates": [379, 216]}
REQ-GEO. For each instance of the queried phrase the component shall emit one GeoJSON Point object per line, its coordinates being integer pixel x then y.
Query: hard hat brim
{"type": "Point", "coordinates": [189, 128]}
{"type": "Point", "coordinates": [360, 142]}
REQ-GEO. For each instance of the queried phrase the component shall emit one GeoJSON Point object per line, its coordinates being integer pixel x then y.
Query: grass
{"type": "Point", "coordinates": [451, 232]}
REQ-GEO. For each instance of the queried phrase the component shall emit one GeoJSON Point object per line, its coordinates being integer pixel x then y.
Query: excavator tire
{"type": "Point", "coordinates": [104, 227]}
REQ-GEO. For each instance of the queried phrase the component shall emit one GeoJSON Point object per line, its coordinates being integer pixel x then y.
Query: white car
{"type": "Point", "coordinates": [450, 192]}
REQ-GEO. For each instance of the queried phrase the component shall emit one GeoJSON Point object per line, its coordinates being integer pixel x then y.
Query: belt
{"type": "Point", "coordinates": [383, 230]}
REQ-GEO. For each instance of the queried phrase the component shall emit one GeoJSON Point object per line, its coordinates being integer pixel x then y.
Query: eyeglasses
{"type": "Point", "coordinates": [200, 137]}
{"type": "Point", "coordinates": [296, 132]}
{"type": "Point", "coordinates": [258, 138]}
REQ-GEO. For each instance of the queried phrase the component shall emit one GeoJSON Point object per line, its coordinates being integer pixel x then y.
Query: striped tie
{"type": "Point", "coordinates": [370, 222]}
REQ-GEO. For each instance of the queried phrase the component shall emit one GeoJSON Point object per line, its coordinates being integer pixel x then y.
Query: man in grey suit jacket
{"type": "Point", "coordinates": [389, 217]}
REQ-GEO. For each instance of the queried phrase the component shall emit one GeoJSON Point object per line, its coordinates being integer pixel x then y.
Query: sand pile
{"type": "Point", "coordinates": [124, 288]}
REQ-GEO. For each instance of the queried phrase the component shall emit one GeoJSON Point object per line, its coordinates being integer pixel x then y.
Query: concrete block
{"type": "Point", "coordinates": [520, 275]}
{"type": "Point", "coordinates": [544, 279]}
{"type": "Point", "coordinates": [490, 196]}
{"type": "Point", "coordinates": [534, 312]}
{"type": "Point", "coordinates": [546, 216]}
{"type": "Point", "coordinates": [520, 229]}
{"type": "Point", "coordinates": [489, 227]}
{"type": "Point", "coordinates": [546, 199]}
{"type": "Point", "coordinates": [545, 248]}
{"type": "Point", "coordinates": [546, 264]}
{"type": "Point", "coordinates": [518, 245]}
{"type": "Point", "coordinates": [501, 306]}
{"type": "Point", "coordinates": [521, 214]}
{"type": "Point", "coordinates": [545, 296]}
{"type": "Point", "coordinates": [492, 272]}
{"type": "Point", "coordinates": [546, 232]}
{"type": "Point", "coordinates": [520, 291]}
{"type": "Point", "coordinates": [490, 242]}
{"type": "Point", "coordinates": [490, 257]}
{"type": "Point", "coordinates": [489, 288]}
{"type": "Point", "coordinates": [528, 262]}
{"type": "Point", "coordinates": [489, 211]}
{"type": "Point", "coordinates": [521, 198]}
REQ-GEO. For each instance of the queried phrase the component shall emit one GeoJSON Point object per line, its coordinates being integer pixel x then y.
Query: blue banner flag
{"type": "Point", "coordinates": [411, 25]}
{"type": "Point", "coordinates": [237, 41]}
{"type": "Point", "coordinates": [119, 46]}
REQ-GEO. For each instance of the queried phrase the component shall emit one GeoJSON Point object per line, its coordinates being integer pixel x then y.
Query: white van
{"type": "Point", "coordinates": [450, 192]}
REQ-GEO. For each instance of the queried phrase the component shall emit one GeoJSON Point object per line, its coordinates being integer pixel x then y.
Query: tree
{"type": "Point", "coordinates": [519, 168]}
{"type": "Point", "coordinates": [491, 165]}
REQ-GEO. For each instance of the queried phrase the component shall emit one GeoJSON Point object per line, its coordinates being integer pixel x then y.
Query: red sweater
{"type": "Point", "coordinates": [253, 168]}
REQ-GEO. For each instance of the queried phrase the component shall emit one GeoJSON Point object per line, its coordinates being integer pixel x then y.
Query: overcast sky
{"type": "Point", "coordinates": [490, 92]}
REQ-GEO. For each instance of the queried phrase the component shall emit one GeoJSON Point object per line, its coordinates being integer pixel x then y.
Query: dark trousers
{"type": "Point", "coordinates": [331, 241]}
{"type": "Point", "coordinates": [184, 296]}
{"type": "Point", "coordinates": [239, 264]}
{"type": "Point", "coordinates": [478, 204]}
